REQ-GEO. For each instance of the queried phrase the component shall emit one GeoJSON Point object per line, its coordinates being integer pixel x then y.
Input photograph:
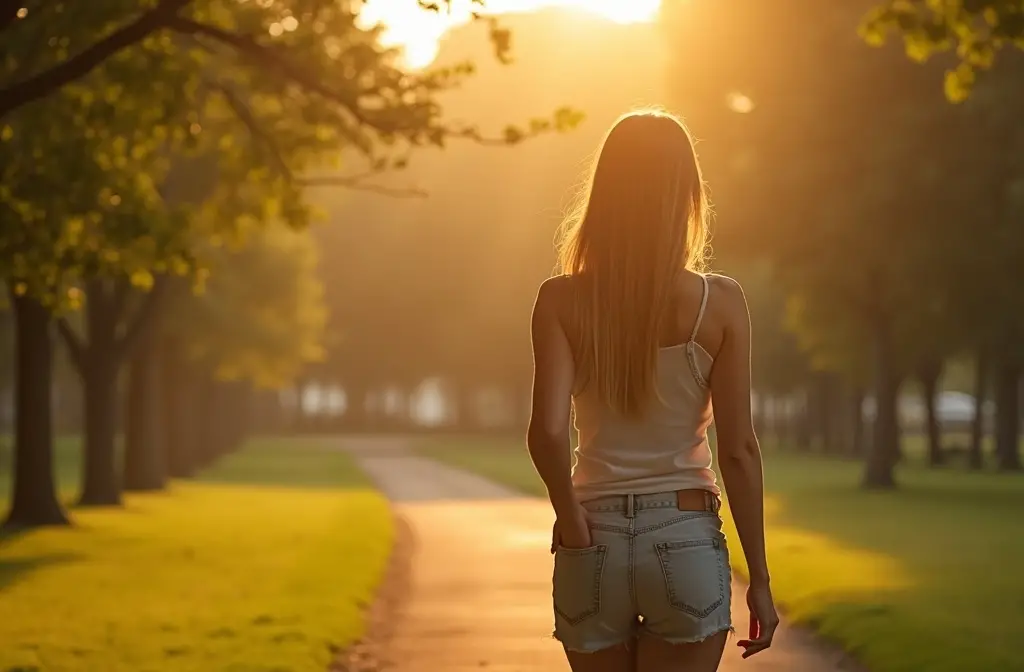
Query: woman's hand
{"type": "Point", "coordinates": [571, 530]}
{"type": "Point", "coordinates": [763, 619]}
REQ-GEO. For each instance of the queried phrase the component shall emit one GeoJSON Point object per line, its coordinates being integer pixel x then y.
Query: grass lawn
{"type": "Point", "coordinates": [262, 564]}
{"type": "Point", "coordinates": [925, 578]}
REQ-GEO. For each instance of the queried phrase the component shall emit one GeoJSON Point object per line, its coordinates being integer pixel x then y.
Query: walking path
{"type": "Point", "coordinates": [481, 577]}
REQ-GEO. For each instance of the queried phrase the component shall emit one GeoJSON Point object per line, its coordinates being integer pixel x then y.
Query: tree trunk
{"type": "Point", "coordinates": [929, 378]}
{"type": "Point", "coordinates": [467, 417]}
{"type": "Point", "coordinates": [34, 500]}
{"type": "Point", "coordinates": [355, 416]}
{"type": "Point", "coordinates": [976, 457]}
{"type": "Point", "coordinates": [841, 419]}
{"type": "Point", "coordinates": [802, 425]}
{"type": "Point", "coordinates": [98, 362]}
{"type": "Point", "coordinates": [1008, 416]}
{"type": "Point", "coordinates": [98, 359]}
{"type": "Point", "coordinates": [884, 452]}
{"type": "Point", "coordinates": [829, 396]}
{"type": "Point", "coordinates": [235, 412]}
{"type": "Point", "coordinates": [100, 485]}
{"type": "Point", "coordinates": [201, 403]}
{"type": "Point", "coordinates": [144, 453]}
{"type": "Point", "coordinates": [856, 412]}
{"type": "Point", "coordinates": [266, 413]}
{"type": "Point", "coordinates": [208, 409]}
{"type": "Point", "coordinates": [177, 392]}
{"type": "Point", "coordinates": [816, 414]}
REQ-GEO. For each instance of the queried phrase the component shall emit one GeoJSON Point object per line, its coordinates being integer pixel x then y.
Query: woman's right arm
{"type": "Point", "coordinates": [739, 457]}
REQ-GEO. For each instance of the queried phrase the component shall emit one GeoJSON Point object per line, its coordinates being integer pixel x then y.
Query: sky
{"type": "Point", "coordinates": [419, 32]}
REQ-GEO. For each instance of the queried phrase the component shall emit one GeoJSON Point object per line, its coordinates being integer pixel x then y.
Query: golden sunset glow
{"type": "Point", "coordinates": [419, 32]}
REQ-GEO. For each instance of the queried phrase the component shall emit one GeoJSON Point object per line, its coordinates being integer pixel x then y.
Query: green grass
{"type": "Point", "coordinates": [925, 578]}
{"type": "Point", "coordinates": [262, 564]}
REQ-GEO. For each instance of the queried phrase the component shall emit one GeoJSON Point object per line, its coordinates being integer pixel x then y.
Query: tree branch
{"type": "Point", "coordinates": [355, 182]}
{"type": "Point", "coordinates": [265, 56]}
{"type": "Point", "coordinates": [48, 81]}
{"type": "Point", "coordinates": [119, 297]}
{"type": "Point", "coordinates": [76, 349]}
{"type": "Point", "coordinates": [247, 118]}
{"type": "Point", "coordinates": [259, 135]}
{"type": "Point", "coordinates": [270, 58]}
{"type": "Point", "coordinates": [143, 319]}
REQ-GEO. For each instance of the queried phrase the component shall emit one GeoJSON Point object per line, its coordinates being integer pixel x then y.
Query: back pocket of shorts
{"type": "Point", "coordinates": [694, 573]}
{"type": "Point", "coordinates": [577, 582]}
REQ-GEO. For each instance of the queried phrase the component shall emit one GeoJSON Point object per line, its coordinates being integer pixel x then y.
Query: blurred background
{"type": "Point", "coordinates": [232, 231]}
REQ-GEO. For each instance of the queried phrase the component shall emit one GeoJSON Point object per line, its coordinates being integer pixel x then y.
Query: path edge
{"type": "Point", "coordinates": [370, 652]}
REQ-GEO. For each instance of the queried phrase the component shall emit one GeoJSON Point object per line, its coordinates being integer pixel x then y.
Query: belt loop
{"type": "Point", "coordinates": [630, 506]}
{"type": "Point", "coordinates": [709, 504]}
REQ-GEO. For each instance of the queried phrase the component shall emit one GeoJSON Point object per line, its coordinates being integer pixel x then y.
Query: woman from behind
{"type": "Point", "coordinates": [637, 343]}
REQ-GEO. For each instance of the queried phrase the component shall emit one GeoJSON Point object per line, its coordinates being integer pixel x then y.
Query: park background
{"type": "Point", "coordinates": [253, 229]}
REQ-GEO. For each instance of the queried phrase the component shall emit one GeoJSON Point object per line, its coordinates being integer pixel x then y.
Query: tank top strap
{"type": "Point", "coordinates": [703, 305]}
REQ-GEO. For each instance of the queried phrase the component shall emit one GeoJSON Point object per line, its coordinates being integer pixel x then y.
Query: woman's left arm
{"type": "Point", "coordinates": [548, 436]}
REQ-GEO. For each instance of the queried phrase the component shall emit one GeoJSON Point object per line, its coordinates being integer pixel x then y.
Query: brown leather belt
{"type": "Point", "coordinates": [695, 499]}
{"type": "Point", "coordinates": [698, 500]}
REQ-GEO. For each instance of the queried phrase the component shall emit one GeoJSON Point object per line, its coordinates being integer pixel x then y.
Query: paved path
{"type": "Point", "coordinates": [481, 576]}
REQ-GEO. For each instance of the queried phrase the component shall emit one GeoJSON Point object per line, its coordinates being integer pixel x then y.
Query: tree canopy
{"type": "Point", "coordinates": [139, 141]}
{"type": "Point", "coordinates": [261, 317]}
{"type": "Point", "coordinates": [111, 93]}
{"type": "Point", "coordinates": [882, 212]}
{"type": "Point", "coordinates": [976, 30]}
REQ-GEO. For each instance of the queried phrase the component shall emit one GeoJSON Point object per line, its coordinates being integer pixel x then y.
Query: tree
{"type": "Point", "coordinates": [975, 30]}
{"type": "Point", "coordinates": [842, 188]}
{"type": "Point", "coordinates": [41, 238]}
{"type": "Point", "coordinates": [993, 173]}
{"type": "Point", "coordinates": [34, 498]}
{"type": "Point", "coordinates": [261, 317]}
{"type": "Point", "coordinates": [82, 210]}
{"type": "Point", "coordinates": [144, 458]}
{"type": "Point", "coordinates": [87, 38]}
{"type": "Point", "coordinates": [259, 322]}
{"type": "Point", "coordinates": [276, 110]}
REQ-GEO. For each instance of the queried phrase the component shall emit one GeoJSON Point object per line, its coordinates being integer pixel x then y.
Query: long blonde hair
{"type": "Point", "coordinates": [642, 221]}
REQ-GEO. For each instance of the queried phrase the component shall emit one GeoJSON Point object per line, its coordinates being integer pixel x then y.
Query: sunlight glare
{"type": "Point", "coordinates": [419, 32]}
{"type": "Point", "coordinates": [739, 102]}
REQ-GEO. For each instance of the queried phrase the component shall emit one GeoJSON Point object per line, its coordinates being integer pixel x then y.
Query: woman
{"type": "Point", "coordinates": [635, 340]}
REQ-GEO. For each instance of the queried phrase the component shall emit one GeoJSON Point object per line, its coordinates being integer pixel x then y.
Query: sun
{"type": "Point", "coordinates": [619, 11]}
{"type": "Point", "coordinates": [419, 32]}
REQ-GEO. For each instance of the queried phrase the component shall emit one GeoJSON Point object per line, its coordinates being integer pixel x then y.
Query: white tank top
{"type": "Point", "coordinates": [665, 450]}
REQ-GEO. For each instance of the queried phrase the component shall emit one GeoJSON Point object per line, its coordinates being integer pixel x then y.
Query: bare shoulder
{"type": "Point", "coordinates": [553, 297]}
{"type": "Point", "coordinates": [727, 287]}
{"type": "Point", "coordinates": [554, 292]}
{"type": "Point", "coordinates": [730, 301]}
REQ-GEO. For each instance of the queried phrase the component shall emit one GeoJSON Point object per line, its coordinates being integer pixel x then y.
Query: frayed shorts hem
{"type": "Point", "coordinates": [596, 647]}
{"type": "Point", "coordinates": [592, 647]}
{"type": "Point", "coordinates": [693, 639]}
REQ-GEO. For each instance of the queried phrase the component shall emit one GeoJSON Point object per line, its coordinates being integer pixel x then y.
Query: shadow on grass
{"type": "Point", "coordinates": [8, 534]}
{"type": "Point", "coordinates": [286, 461]}
{"type": "Point", "coordinates": [15, 569]}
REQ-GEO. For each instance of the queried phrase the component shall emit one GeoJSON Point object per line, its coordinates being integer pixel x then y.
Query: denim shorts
{"type": "Point", "coordinates": [653, 570]}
